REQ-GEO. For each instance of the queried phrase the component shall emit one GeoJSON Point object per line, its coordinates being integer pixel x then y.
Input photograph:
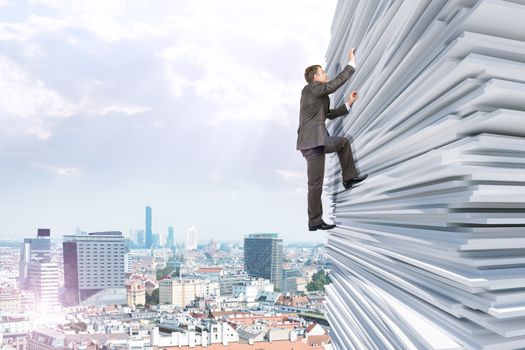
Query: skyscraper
{"type": "Point", "coordinates": [37, 272]}
{"type": "Point", "coordinates": [94, 268]}
{"type": "Point", "coordinates": [263, 257]}
{"type": "Point", "coordinates": [140, 238]}
{"type": "Point", "coordinates": [171, 237]}
{"type": "Point", "coordinates": [155, 240]}
{"type": "Point", "coordinates": [148, 228]}
{"type": "Point", "coordinates": [290, 280]}
{"type": "Point", "coordinates": [162, 239]}
{"type": "Point", "coordinates": [191, 238]}
{"type": "Point", "coordinates": [32, 249]}
{"type": "Point", "coordinates": [43, 282]}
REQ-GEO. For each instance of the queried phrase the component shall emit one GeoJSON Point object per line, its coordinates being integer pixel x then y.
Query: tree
{"type": "Point", "coordinates": [319, 280]}
{"type": "Point", "coordinates": [165, 271]}
{"type": "Point", "coordinates": [79, 326]}
{"type": "Point", "coordinates": [153, 297]}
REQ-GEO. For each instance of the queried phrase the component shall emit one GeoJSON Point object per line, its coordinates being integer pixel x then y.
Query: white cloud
{"type": "Point", "coordinates": [227, 50]}
{"type": "Point", "coordinates": [129, 110]}
{"type": "Point", "coordinates": [106, 19]}
{"type": "Point", "coordinates": [32, 26]}
{"type": "Point", "coordinates": [79, 7]}
{"type": "Point", "coordinates": [240, 90]}
{"type": "Point", "coordinates": [290, 174]}
{"type": "Point", "coordinates": [23, 96]}
{"type": "Point", "coordinates": [64, 171]}
{"type": "Point", "coordinates": [60, 170]}
{"type": "Point", "coordinates": [205, 34]}
{"type": "Point", "coordinates": [26, 103]}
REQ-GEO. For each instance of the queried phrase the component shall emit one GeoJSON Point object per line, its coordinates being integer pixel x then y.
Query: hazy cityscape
{"type": "Point", "coordinates": [161, 290]}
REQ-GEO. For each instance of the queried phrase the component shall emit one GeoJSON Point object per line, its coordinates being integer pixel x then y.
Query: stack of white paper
{"type": "Point", "coordinates": [437, 231]}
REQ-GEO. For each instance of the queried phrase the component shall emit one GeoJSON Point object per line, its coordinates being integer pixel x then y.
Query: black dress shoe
{"type": "Point", "coordinates": [349, 183]}
{"type": "Point", "coordinates": [323, 226]}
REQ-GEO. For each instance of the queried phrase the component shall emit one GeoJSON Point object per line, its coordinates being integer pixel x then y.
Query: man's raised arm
{"type": "Point", "coordinates": [334, 84]}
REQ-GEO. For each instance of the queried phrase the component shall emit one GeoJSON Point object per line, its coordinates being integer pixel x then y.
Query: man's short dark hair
{"type": "Point", "coordinates": [309, 72]}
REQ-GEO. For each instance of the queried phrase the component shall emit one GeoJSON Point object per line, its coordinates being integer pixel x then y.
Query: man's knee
{"type": "Point", "coordinates": [344, 143]}
{"type": "Point", "coordinates": [316, 182]}
{"type": "Point", "coordinates": [341, 142]}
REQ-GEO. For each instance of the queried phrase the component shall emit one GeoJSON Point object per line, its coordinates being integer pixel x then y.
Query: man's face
{"type": "Point", "coordinates": [321, 75]}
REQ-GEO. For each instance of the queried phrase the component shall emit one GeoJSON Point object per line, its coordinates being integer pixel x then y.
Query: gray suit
{"type": "Point", "coordinates": [314, 141]}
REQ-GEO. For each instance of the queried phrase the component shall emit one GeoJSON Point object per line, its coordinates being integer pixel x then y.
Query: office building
{"type": "Point", "coordinates": [181, 292]}
{"type": "Point", "coordinates": [210, 273]}
{"type": "Point", "coordinates": [43, 282]}
{"type": "Point", "coordinates": [13, 300]}
{"type": "Point", "coordinates": [136, 293]}
{"type": "Point", "coordinates": [140, 238]}
{"type": "Point", "coordinates": [263, 257]}
{"type": "Point", "coordinates": [191, 238]}
{"type": "Point", "coordinates": [155, 240]}
{"type": "Point", "coordinates": [10, 300]}
{"type": "Point", "coordinates": [46, 338]}
{"type": "Point", "coordinates": [227, 281]}
{"type": "Point", "coordinates": [162, 239]}
{"type": "Point", "coordinates": [94, 269]}
{"type": "Point", "coordinates": [249, 289]}
{"type": "Point", "coordinates": [128, 263]}
{"type": "Point", "coordinates": [290, 280]}
{"type": "Point", "coordinates": [37, 273]}
{"type": "Point", "coordinates": [171, 237]}
{"type": "Point", "coordinates": [34, 249]}
{"type": "Point", "coordinates": [149, 232]}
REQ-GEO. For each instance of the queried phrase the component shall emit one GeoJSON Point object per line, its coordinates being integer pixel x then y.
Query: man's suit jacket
{"type": "Point", "coordinates": [315, 108]}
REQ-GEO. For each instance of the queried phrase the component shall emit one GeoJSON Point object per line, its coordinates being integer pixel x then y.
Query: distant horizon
{"type": "Point", "coordinates": [58, 240]}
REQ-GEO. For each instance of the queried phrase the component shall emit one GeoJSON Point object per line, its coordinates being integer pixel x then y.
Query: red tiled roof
{"type": "Point", "coordinates": [274, 345]}
{"type": "Point", "coordinates": [216, 314]}
{"type": "Point", "coordinates": [318, 340]}
{"type": "Point", "coordinates": [310, 327]}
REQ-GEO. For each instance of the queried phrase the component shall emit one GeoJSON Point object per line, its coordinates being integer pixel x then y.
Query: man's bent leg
{"type": "Point", "coordinates": [341, 145]}
{"type": "Point", "coordinates": [315, 170]}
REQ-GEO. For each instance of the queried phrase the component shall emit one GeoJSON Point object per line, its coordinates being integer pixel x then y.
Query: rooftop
{"type": "Point", "coordinates": [209, 269]}
{"type": "Point", "coordinates": [263, 235]}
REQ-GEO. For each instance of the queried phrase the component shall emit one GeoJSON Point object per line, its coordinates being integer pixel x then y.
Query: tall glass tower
{"type": "Point", "coordinates": [148, 228]}
{"type": "Point", "coordinates": [171, 237]}
{"type": "Point", "coordinates": [263, 257]}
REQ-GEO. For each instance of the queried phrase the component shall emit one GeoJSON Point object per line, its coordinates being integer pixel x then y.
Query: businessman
{"type": "Point", "coordinates": [314, 141]}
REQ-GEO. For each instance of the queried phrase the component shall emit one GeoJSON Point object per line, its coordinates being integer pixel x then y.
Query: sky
{"type": "Point", "coordinates": [190, 107]}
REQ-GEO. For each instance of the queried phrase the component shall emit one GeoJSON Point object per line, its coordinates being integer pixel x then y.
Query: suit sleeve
{"type": "Point", "coordinates": [334, 84]}
{"type": "Point", "coordinates": [337, 112]}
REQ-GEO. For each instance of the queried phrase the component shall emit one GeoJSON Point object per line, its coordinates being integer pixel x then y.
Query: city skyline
{"type": "Point", "coordinates": [135, 235]}
{"type": "Point", "coordinates": [108, 107]}
{"type": "Point", "coordinates": [73, 290]}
